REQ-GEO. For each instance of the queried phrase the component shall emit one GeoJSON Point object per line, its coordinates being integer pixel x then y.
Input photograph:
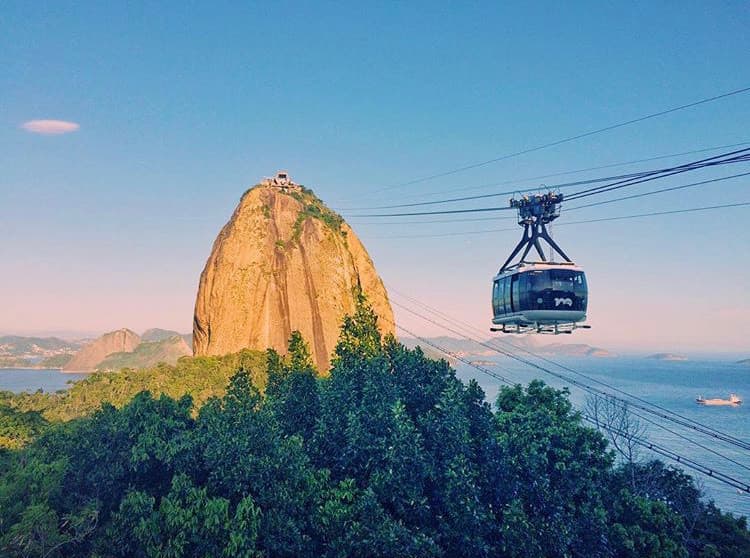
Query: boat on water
{"type": "Point", "coordinates": [733, 400]}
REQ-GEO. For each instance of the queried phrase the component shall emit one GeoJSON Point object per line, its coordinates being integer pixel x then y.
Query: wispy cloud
{"type": "Point", "coordinates": [50, 127]}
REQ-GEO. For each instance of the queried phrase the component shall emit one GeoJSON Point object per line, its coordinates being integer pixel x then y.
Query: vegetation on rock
{"type": "Point", "coordinates": [313, 208]}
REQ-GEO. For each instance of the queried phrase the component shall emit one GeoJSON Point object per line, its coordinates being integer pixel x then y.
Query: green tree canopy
{"type": "Point", "coordinates": [390, 455]}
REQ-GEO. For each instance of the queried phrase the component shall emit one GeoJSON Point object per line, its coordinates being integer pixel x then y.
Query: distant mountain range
{"type": "Point", "coordinates": [36, 352]}
{"type": "Point", "coordinates": [146, 354]}
{"type": "Point", "coordinates": [466, 348]}
{"type": "Point", "coordinates": [117, 349]}
{"type": "Point", "coordinates": [668, 356]}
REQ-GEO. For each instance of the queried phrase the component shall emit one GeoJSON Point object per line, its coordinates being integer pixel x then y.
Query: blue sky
{"type": "Point", "coordinates": [182, 108]}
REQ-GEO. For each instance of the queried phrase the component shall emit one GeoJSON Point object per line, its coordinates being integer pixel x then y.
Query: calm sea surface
{"type": "Point", "coordinates": [672, 385]}
{"type": "Point", "coordinates": [18, 380]}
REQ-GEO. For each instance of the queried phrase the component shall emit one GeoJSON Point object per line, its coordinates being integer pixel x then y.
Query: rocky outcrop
{"type": "Point", "coordinates": [283, 262]}
{"type": "Point", "coordinates": [148, 354]}
{"type": "Point", "coordinates": [87, 359]}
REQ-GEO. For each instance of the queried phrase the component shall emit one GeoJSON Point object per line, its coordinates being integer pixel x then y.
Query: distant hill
{"type": "Point", "coordinates": [574, 350]}
{"type": "Point", "coordinates": [15, 362]}
{"type": "Point", "coordinates": [148, 354]}
{"type": "Point", "coordinates": [89, 357]}
{"type": "Point", "coordinates": [157, 334]}
{"type": "Point", "coordinates": [57, 361]}
{"type": "Point", "coordinates": [17, 345]}
{"type": "Point", "coordinates": [668, 356]}
{"type": "Point", "coordinates": [745, 362]}
{"type": "Point", "coordinates": [200, 377]}
{"type": "Point", "coordinates": [464, 347]}
{"type": "Point", "coordinates": [34, 352]}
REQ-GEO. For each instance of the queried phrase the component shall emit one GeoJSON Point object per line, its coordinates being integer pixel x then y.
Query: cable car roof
{"type": "Point", "coordinates": [537, 266]}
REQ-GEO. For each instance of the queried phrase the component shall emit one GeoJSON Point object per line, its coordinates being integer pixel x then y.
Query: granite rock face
{"type": "Point", "coordinates": [89, 357]}
{"type": "Point", "coordinates": [283, 262]}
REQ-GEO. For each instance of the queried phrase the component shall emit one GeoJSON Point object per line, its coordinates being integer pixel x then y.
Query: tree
{"type": "Point", "coordinates": [292, 389]}
{"type": "Point", "coordinates": [187, 523]}
{"type": "Point", "coordinates": [554, 469]}
{"type": "Point", "coordinates": [643, 528]}
{"type": "Point", "coordinates": [622, 428]}
{"type": "Point", "coordinates": [391, 455]}
{"type": "Point", "coordinates": [245, 454]}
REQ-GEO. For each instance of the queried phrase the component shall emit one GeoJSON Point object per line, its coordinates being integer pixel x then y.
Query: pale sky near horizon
{"type": "Point", "coordinates": [128, 132]}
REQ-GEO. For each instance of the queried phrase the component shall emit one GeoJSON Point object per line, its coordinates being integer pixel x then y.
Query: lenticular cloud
{"type": "Point", "coordinates": [50, 127]}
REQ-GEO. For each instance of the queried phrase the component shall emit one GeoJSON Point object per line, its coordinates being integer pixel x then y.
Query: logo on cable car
{"type": "Point", "coordinates": [564, 301]}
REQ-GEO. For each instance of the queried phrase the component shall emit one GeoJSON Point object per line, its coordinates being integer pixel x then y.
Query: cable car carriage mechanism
{"type": "Point", "coordinates": [543, 296]}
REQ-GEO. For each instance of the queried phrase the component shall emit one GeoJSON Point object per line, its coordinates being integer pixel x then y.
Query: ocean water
{"type": "Point", "coordinates": [672, 385]}
{"type": "Point", "coordinates": [22, 379]}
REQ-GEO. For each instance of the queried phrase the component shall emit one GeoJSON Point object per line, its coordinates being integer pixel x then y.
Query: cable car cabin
{"type": "Point", "coordinates": [539, 297]}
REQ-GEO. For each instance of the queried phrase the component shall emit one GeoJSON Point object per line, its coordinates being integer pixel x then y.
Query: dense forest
{"type": "Point", "coordinates": [388, 455]}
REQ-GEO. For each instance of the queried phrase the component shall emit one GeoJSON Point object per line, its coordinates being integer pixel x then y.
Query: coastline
{"type": "Point", "coordinates": [31, 368]}
{"type": "Point", "coordinates": [58, 368]}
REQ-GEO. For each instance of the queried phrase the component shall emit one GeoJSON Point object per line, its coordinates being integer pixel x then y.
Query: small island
{"type": "Point", "coordinates": [668, 356]}
{"type": "Point", "coordinates": [744, 362]}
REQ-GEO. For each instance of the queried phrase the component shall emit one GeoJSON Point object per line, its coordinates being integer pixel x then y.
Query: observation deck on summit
{"type": "Point", "coordinates": [281, 181]}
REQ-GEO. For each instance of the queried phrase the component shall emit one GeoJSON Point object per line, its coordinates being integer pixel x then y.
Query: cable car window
{"type": "Point", "coordinates": [515, 294]}
{"type": "Point", "coordinates": [565, 280]}
{"type": "Point", "coordinates": [523, 286]}
{"type": "Point", "coordinates": [506, 295]}
{"type": "Point", "coordinates": [539, 281]}
{"type": "Point", "coordinates": [500, 297]}
{"type": "Point", "coordinates": [496, 297]}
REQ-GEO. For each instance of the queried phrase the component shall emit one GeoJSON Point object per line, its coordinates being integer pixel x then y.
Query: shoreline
{"type": "Point", "coordinates": [58, 368]}
{"type": "Point", "coordinates": [30, 368]}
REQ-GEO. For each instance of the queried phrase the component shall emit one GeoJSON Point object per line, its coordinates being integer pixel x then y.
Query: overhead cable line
{"type": "Point", "coordinates": [572, 138]}
{"type": "Point", "coordinates": [633, 196]}
{"type": "Point", "coordinates": [600, 220]}
{"type": "Point", "coordinates": [444, 212]}
{"type": "Point", "coordinates": [621, 180]}
{"type": "Point", "coordinates": [467, 327]}
{"type": "Point", "coordinates": [654, 447]}
{"type": "Point", "coordinates": [666, 415]}
{"type": "Point", "coordinates": [423, 222]}
{"type": "Point", "coordinates": [652, 192]}
{"type": "Point", "coordinates": [564, 173]}
{"type": "Point", "coordinates": [496, 194]}
{"type": "Point", "coordinates": [739, 156]}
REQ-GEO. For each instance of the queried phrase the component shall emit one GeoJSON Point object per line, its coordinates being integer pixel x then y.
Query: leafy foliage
{"type": "Point", "coordinates": [313, 208]}
{"type": "Point", "coordinates": [200, 377]}
{"type": "Point", "coordinates": [389, 455]}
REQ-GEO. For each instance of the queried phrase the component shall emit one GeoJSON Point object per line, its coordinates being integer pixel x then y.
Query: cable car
{"type": "Point", "coordinates": [542, 296]}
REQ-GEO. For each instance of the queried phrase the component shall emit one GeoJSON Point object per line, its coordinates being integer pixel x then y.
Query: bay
{"type": "Point", "coordinates": [18, 380]}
